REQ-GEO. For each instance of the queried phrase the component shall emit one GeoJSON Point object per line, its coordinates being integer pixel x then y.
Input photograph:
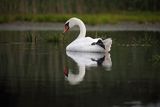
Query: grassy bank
{"type": "Point", "coordinates": [139, 17]}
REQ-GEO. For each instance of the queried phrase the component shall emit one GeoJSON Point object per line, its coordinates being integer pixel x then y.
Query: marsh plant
{"type": "Point", "coordinates": [156, 59]}
{"type": "Point", "coordinates": [42, 36]}
{"type": "Point", "coordinates": [31, 37]}
{"type": "Point", "coordinates": [146, 40]}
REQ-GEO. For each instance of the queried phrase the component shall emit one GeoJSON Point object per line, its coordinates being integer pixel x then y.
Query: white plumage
{"type": "Point", "coordinates": [86, 44]}
{"type": "Point", "coordinates": [86, 60]}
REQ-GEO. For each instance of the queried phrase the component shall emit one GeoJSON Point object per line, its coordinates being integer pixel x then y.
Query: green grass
{"type": "Point", "coordinates": [139, 17]}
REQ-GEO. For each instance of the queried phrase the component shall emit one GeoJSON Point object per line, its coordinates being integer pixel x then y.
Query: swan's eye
{"type": "Point", "coordinates": [66, 27]}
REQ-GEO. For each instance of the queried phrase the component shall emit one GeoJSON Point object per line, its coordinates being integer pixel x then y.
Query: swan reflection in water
{"type": "Point", "coordinates": [84, 60]}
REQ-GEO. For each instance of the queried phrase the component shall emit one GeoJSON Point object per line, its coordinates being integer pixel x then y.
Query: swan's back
{"type": "Point", "coordinates": [107, 43]}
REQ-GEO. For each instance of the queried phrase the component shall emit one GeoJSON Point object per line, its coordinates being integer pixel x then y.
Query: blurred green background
{"type": "Point", "coordinates": [93, 11]}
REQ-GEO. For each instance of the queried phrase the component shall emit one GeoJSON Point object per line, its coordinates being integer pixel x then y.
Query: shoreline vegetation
{"type": "Point", "coordinates": [92, 19]}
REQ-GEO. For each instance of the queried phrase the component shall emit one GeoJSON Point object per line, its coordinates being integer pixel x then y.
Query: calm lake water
{"type": "Point", "coordinates": [36, 71]}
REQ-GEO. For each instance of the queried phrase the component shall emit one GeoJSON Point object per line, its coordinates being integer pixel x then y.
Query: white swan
{"type": "Point", "coordinates": [86, 44]}
{"type": "Point", "coordinates": [86, 60]}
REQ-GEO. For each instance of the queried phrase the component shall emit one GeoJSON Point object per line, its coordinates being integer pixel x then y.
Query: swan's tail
{"type": "Point", "coordinates": [107, 43]}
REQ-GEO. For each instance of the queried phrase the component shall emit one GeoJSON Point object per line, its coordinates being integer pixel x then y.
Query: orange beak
{"type": "Point", "coordinates": [66, 28]}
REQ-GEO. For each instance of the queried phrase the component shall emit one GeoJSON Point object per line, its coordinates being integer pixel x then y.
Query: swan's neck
{"type": "Point", "coordinates": [76, 78]}
{"type": "Point", "coordinates": [82, 29]}
{"type": "Point", "coordinates": [82, 69]}
{"type": "Point", "coordinates": [81, 72]}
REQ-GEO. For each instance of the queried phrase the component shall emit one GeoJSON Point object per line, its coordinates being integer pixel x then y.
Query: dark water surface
{"type": "Point", "coordinates": [36, 71]}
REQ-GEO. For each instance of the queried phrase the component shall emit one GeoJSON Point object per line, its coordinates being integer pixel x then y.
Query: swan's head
{"type": "Point", "coordinates": [70, 23]}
